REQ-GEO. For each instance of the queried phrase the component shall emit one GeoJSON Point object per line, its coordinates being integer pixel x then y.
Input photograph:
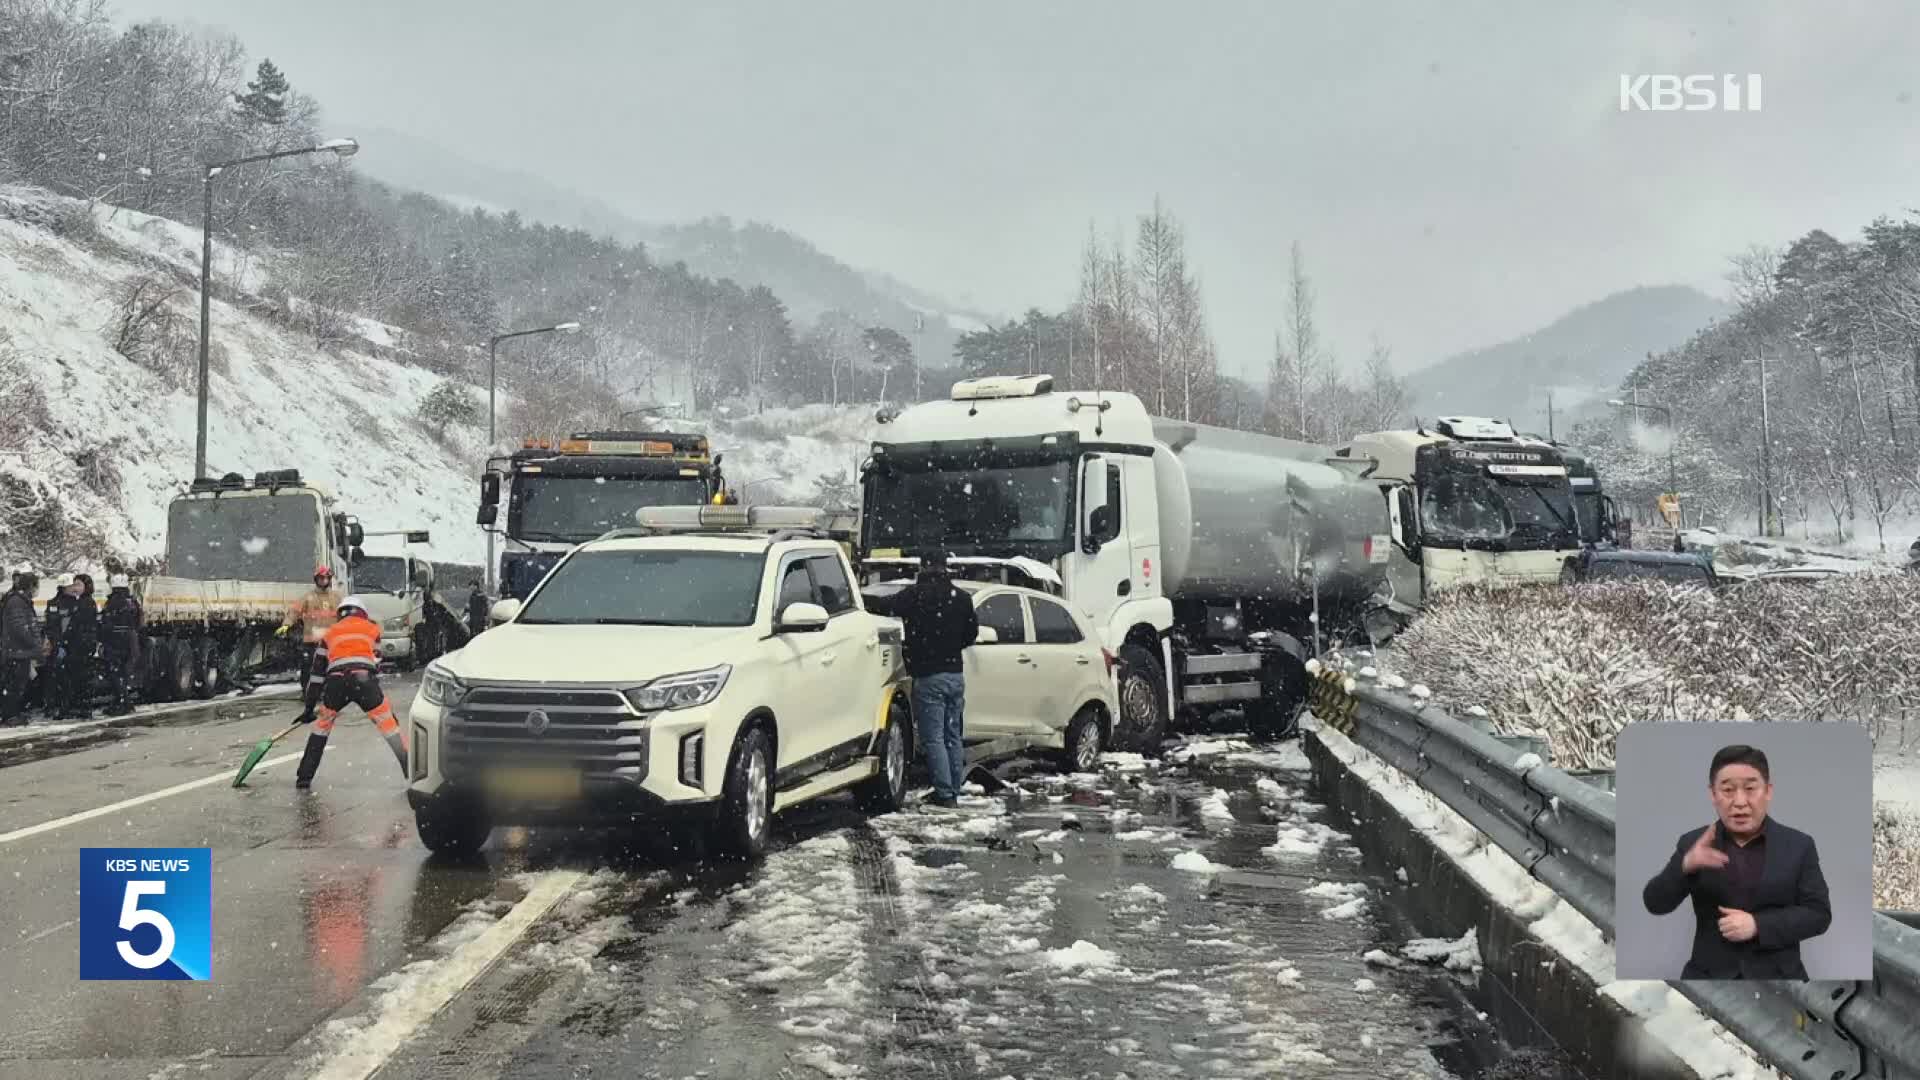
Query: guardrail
{"type": "Point", "coordinates": [1561, 830]}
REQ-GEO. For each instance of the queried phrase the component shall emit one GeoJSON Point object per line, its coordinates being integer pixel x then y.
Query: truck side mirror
{"type": "Point", "coordinates": [489, 513]}
{"type": "Point", "coordinates": [490, 489]}
{"type": "Point", "coordinates": [357, 557]}
{"type": "Point", "coordinates": [1406, 527]}
{"type": "Point", "coordinates": [423, 574]}
{"type": "Point", "coordinates": [356, 535]}
{"type": "Point", "coordinates": [1097, 517]}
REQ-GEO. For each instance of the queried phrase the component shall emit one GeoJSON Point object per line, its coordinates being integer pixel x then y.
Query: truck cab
{"type": "Point", "coordinates": [398, 590]}
{"type": "Point", "coordinates": [1471, 503]}
{"type": "Point", "coordinates": [559, 494]}
{"type": "Point", "coordinates": [1601, 523]}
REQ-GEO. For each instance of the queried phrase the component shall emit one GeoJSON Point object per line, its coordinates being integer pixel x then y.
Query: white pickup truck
{"type": "Point", "coordinates": [712, 668]}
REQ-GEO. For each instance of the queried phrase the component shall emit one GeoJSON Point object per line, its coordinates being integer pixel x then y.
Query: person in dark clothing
{"type": "Point", "coordinates": [21, 644]}
{"type": "Point", "coordinates": [78, 643]}
{"type": "Point", "coordinates": [1756, 885]}
{"type": "Point", "coordinates": [120, 642]}
{"type": "Point", "coordinates": [940, 623]}
{"type": "Point", "coordinates": [50, 683]}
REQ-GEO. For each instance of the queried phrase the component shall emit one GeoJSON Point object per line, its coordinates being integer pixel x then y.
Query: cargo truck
{"type": "Point", "coordinates": [1214, 563]}
{"type": "Point", "coordinates": [560, 494]}
{"type": "Point", "coordinates": [239, 554]}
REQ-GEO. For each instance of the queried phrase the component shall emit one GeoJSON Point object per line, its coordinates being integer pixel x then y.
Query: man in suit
{"type": "Point", "coordinates": [1755, 884]}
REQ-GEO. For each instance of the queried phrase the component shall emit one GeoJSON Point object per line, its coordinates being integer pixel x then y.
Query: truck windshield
{"type": "Point", "coordinates": [650, 588]}
{"type": "Point", "coordinates": [1467, 508]}
{"type": "Point", "coordinates": [969, 507]}
{"type": "Point", "coordinates": [381, 573]}
{"type": "Point", "coordinates": [578, 508]}
{"type": "Point", "coordinates": [244, 537]}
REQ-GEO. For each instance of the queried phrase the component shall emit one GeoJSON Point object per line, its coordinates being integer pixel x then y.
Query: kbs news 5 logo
{"type": "Point", "coordinates": [146, 913]}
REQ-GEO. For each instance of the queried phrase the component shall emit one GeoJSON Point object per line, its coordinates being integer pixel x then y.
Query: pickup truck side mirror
{"type": "Point", "coordinates": [987, 635]}
{"type": "Point", "coordinates": [504, 610]}
{"type": "Point", "coordinates": [801, 618]}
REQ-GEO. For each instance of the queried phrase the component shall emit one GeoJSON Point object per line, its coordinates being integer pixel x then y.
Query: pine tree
{"type": "Point", "coordinates": [265, 101]}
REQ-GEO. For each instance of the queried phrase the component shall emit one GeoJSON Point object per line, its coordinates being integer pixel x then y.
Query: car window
{"type": "Point", "coordinates": [796, 587]}
{"type": "Point", "coordinates": [1003, 614]}
{"type": "Point", "coordinates": [830, 579]}
{"type": "Point", "coordinates": [1052, 625]}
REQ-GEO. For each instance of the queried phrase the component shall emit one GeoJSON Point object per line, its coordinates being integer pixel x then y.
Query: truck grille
{"type": "Point", "coordinates": [587, 728]}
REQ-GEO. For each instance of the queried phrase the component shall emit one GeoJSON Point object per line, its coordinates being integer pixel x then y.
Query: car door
{"type": "Point", "coordinates": [801, 675]}
{"type": "Point", "coordinates": [851, 662]}
{"type": "Point", "coordinates": [1065, 665]}
{"type": "Point", "coordinates": [1000, 676]}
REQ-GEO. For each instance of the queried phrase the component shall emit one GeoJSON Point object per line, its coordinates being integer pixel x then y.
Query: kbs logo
{"type": "Point", "coordinates": [146, 913]}
{"type": "Point", "coordinates": [1689, 93]}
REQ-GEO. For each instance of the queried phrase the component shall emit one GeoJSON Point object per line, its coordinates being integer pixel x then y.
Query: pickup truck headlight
{"type": "Point", "coordinates": [683, 691]}
{"type": "Point", "coordinates": [438, 687]}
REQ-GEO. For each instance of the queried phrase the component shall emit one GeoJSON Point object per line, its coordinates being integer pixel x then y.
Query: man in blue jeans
{"type": "Point", "coordinates": [940, 623]}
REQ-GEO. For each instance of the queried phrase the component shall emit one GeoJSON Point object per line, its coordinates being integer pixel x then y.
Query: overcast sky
{"type": "Point", "coordinates": [1456, 173]}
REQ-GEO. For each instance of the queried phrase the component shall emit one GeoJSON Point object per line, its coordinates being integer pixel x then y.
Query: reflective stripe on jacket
{"type": "Point", "coordinates": [353, 642]}
{"type": "Point", "coordinates": [316, 612]}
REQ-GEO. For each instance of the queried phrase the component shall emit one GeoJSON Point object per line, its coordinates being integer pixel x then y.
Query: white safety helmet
{"type": "Point", "coordinates": [63, 581]}
{"type": "Point", "coordinates": [119, 581]}
{"type": "Point", "coordinates": [353, 604]}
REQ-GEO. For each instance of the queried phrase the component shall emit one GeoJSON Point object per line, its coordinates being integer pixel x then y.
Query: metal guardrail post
{"type": "Point", "coordinates": [1562, 830]}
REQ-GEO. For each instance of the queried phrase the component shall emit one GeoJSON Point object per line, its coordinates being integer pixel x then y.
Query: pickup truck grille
{"type": "Point", "coordinates": [587, 728]}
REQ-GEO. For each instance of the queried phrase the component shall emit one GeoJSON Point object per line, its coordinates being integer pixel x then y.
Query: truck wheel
{"type": "Point", "coordinates": [449, 829]}
{"type": "Point", "coordinates": [1084, 742]}
{"type": "Point", "coordinates": [746, 802]}
{"type": "Point", "coordinates": [1283, 691]}
{"type": "Point", "coordinates": [887, 790]}
{"type": "Point", "coordinates": [181, 684]}
{"type": "Point", "coordinates": [1143, 698]}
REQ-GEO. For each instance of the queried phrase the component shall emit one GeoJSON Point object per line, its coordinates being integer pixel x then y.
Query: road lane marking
{"type": "Point", "coordinates": [401, 1014]}
{"type": "Point", "coordinates": [138, 800]}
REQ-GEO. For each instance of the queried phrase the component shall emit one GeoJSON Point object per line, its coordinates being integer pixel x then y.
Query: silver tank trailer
{"type": "Point", "coordinates": [1245, 515]}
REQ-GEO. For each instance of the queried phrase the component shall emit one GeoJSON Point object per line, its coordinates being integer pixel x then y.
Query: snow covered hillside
{"type": "Point", "coordinates": [98, 323]}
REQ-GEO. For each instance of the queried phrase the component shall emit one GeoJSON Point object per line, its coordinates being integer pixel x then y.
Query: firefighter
{"type": "Point", "coordinates": [120, 642]}
{"type": "Point", "coordinates": [314, 613]}
{"type": "Point", "coordinates": [352, 648]}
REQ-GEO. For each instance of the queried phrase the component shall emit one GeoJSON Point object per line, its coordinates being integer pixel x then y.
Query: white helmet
{"type": "Point", "coordinates": [63, 581]}
{"type": "Point", "coordinates": [119, 581]}
{"type": "Point", "coordinates": [352, 603]}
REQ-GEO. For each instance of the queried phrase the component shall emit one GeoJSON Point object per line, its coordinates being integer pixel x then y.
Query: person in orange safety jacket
{"type": "Point", "coordinates": [352, 648]}
{"type": "Point", "coordinates": [315, 613]}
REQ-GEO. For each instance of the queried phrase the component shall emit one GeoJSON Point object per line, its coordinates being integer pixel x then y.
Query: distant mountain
{"type": "Point", "coordinates": [808, 280]}
{"type": "Point", "coordinates": [1580, 359]}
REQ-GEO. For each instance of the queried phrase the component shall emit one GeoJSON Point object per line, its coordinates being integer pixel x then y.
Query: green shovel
{"type": "Point", "coordinates": [260, 750]}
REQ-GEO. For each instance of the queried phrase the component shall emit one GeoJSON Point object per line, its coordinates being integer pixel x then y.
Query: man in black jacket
{"type": "Point", "coordinates": [20, 645]}
{"type": "Point", "coordinates": [1756, 885]}
{"type": "Point", "coordinates": [51, 681]}
{"type": "Point", "coordinates": [940, 623]}
{"type": "Point", "coordinates": [120, 641]}
{"type": "Point", "coordinates": [79, 642]}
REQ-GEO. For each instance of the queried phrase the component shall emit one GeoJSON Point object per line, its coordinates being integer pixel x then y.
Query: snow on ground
{"type": "Point", "coordinates": [1696, 1038]}
{"type": "Point", "coordinates": [344, 416]}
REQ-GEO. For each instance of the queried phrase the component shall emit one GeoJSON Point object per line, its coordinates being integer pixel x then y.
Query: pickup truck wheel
{"type": "Point", "coordinates": [1143, 698]}
{"type": "Point", "coordinates": [452, 829]}
{"type": "Point", "coordinates": [746, 802]}
{"type": "Point", "coordinates": [887, 790]}
{"type": "Point", "coordinates": [1084, 742]}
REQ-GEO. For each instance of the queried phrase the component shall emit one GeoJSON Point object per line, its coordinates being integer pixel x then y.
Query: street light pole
{"type": "Point", "coordinates": [1673, 439]}
{"type": "Point", "coordinates": [493, 370]}
{"type": "Point", "coordinates": [344, 148]}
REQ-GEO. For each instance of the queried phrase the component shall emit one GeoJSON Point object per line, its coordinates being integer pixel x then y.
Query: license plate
{"type": "Point", "coordinates": [534, 784]}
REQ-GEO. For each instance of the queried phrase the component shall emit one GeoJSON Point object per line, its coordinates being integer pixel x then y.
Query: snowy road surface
{"type": "Point", "coordinates": [1197, 918]}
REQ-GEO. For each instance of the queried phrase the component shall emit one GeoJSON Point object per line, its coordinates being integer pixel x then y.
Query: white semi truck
{"type": "Point", "coordinates": [1471, 503]}
{"type": "Point", "coordinates": [1212, 561]}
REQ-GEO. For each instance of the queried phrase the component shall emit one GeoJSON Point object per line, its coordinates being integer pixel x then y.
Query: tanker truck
{"type": "Point", "coordinates": [1214, 563]}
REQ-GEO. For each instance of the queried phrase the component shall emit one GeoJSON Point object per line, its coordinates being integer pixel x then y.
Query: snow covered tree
{"type": "Point", "coordinates": [265, 101]}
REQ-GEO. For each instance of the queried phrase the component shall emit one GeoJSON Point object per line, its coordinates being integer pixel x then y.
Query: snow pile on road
{"type": "Point", "coordinates": [1579, 664]}
{"type": "Point", "coordinates": [1460, 955]}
